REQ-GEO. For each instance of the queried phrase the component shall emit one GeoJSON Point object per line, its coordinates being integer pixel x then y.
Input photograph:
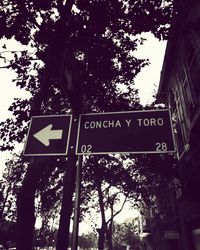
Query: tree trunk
{"type": "Point", "coordinates": [101, 238]}
{"type": "Point", "coordinates": [66, 210]}
{"type": "Point", "coordinates": [109, 236]}
{"type": "Point", "coordinates": [110, 227]}
{"type": "Point", "coordinates": [25, 205]}
{"type": "Point", "coordinates": [101, 231]}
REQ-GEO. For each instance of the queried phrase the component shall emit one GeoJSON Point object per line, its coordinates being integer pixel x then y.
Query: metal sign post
{"type": "Point", "coordinates": [145, 131]}
{"type": "Point", "coordinates": [77, 204]}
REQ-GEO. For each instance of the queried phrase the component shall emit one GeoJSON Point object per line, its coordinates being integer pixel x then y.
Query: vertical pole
{"type": "Point", "coordinates": [74, 242]}
{"type": "Point", "coordinates": [77, 204]}
{"type": "Point", "coordinates": [67, 207]}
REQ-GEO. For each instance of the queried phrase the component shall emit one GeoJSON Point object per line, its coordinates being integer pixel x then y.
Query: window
{"type": "Point", "coordinates": [193, 67]}
{"type": "Point", "coordinates": [186, 92]}
{"type": "Point", "coordinates": [179, 120]}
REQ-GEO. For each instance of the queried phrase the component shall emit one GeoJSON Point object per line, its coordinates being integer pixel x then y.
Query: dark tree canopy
{"type": "Point", "coordinates": [98, 37]}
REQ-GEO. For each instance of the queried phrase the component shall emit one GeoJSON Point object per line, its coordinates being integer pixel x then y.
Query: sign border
{"type": "Point", "coordinates": [49, 154]}
{"type": "Point", "coordinates": [132, 152]}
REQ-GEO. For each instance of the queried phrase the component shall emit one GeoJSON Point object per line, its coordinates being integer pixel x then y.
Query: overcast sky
{"type": "Point", "coordinates": [146, 80]}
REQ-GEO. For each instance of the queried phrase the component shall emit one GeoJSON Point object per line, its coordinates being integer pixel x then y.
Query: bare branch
{"type": "Point", "coordinates": [116, 213]}
{"type": "Point", "coordinates": [5, 67]}
{"type": "Point", "coordinates": [11, 51]}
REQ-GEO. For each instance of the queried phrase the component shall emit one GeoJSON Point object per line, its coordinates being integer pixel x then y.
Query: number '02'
{"type": "Point", "coordinates": [86, 148]}
{"type": "Point", "coordinates": [161, 146]}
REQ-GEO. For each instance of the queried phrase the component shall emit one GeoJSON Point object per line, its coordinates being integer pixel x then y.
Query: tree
{"type": "Point", "coordinates": [125, 233]}
{"type": "Point", "coordinates": [98, 37]}
{"type": "Point", "coordinates": [10, 185]}
{"type": "Point", "coordinates": [101, 49]}
{"type": "Point", "coordinates": [106, 177]}
{"type": "Point", "coordinates": [102, 178]}
{"type": "Point", "coordinates": [87, 241]}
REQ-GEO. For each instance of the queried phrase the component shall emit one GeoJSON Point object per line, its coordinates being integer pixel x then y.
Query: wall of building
{"type": "Point", "coordinates": [180, 89]}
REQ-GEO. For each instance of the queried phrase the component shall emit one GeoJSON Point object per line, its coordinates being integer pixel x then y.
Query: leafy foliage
{"type": "Point", "coordinates": [87, 241]}
{"type": "Point", "coordinates": [136, 177]}
{"type": "Point", "coordinates": [100, 36]}
{"type": "Point", "coordinates": [126, 233]}
{"type": "Point", "coordinates": [10, 186]}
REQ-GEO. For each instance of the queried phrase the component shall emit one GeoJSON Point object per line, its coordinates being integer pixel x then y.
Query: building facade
{"type": "Point", "coordinates": [179, 88]}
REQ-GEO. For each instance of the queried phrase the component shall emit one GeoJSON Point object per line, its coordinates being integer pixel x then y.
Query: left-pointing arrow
{"type": "Point", "coordinates": [46, 134]}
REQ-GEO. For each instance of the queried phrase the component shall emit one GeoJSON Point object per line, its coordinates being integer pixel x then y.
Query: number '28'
{"type": "Point", "coordinates": [161, 146]}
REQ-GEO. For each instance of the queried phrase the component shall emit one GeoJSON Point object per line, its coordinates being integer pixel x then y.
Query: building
{"type": "Point", "coordinates": [179, 88]}
{"type": "Point", "coordinates": [159, 229]}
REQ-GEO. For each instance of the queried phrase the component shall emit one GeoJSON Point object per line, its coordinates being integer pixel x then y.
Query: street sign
{"type": "Point", "coordinates": [146, 131]}
{"type": "Point", "coordinates": [48, 135]}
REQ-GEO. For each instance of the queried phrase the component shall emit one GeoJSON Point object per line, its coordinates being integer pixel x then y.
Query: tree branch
{"type": "Point", "coordinates": [11, 51]}
{"type": "Point", "coordinates": [115, 214]}
{"type": "Point", "coordinates": [33, 20]}
{"type": "Point", "coordinates": [5, 67]}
